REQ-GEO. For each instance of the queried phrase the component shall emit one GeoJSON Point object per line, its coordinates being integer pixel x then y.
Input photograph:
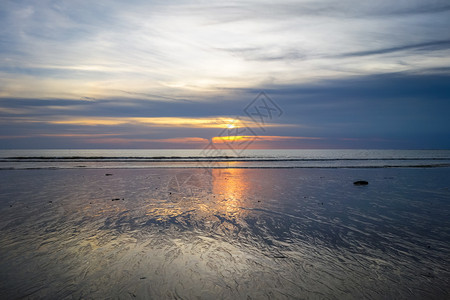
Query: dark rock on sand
{"type": "Point", "coordinates": [108, 174]}
{"type": "Point", "coordinates": [360, 182]}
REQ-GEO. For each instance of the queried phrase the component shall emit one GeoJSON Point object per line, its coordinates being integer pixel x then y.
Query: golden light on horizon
{"type": "Point", "coordinates": [262, 138]}
{"type": "Point", "coordinates": [229, 138]}
{"type": "Point", "coordinates": [219, 122]}
{"type": "Point", "coordinates": [158, 121]}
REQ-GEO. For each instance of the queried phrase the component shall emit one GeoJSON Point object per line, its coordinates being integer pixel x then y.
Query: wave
{"type": "Point", "coordinates": [231, 167]}
{"type": "Point", "coordinates": [207, 158]}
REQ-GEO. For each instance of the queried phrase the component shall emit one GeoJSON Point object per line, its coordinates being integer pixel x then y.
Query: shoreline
{"type": "Point", "coordinates": [229, 167]}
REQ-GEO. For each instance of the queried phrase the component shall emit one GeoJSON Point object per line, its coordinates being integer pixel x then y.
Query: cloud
{"type": "Point", "coordinates": [427, 46]}
{"type": "Point", "coordinates": [258, 138]}
{"type": "Point", "coordinates": [185, 50]}
{"type": "Point", "coordinates": [272, 54]}
{"type": "Point", "coordinates": [156, 121]}
{"type": "Point", "coordinates": [190, 141]}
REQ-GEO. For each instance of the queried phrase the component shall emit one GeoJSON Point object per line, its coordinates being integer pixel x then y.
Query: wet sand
{"type": "Point", "coordinates": [231, 233]}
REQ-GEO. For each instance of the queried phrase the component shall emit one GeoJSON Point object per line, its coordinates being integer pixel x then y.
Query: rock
{"type": "Point", "coordinates": [360, 182]}
{"type": "Point", "coordinates": [115, 199]}
{"type": "Point", "coordinates": [108, 174]}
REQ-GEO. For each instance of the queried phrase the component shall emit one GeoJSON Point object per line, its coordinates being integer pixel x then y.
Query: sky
{"type": "Point", "coordinates": [184, 74]}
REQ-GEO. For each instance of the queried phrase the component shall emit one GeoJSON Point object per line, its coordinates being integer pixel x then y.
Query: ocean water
{"type": "Point", "coordinates": [221, 158]}
{"type": "Point", "coordinates": [126, 227]}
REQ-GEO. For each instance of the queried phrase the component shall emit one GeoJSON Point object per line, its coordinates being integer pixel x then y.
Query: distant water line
{"type": "Point", "coordinates": [191, 158]}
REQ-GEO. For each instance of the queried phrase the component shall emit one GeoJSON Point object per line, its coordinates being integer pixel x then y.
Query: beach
{"type": "Point", "coordinates": [231, 233]}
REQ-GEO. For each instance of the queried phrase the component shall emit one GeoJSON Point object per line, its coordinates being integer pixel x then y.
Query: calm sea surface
{"type": "Point", "coordinates": [176, 224]}
{"type": "Point", "coordinates": [221, 158]}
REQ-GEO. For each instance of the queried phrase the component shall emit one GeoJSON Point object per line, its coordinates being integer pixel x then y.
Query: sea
{"type": "Point", "coordinates": [222, 158]}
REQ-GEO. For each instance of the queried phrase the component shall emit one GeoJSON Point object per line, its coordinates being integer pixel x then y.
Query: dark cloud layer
{"type": "Point", "coordinates": [386, 110]}
{"type": "Point", "coordinates": [427, 46]}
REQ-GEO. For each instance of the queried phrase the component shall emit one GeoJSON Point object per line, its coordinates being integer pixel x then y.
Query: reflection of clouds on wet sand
{"type": "Point", "coordinates": [231, 233]}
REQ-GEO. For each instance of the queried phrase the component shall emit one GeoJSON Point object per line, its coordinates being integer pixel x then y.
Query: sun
{"type": "Point", "coordinates": [231, 124]}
